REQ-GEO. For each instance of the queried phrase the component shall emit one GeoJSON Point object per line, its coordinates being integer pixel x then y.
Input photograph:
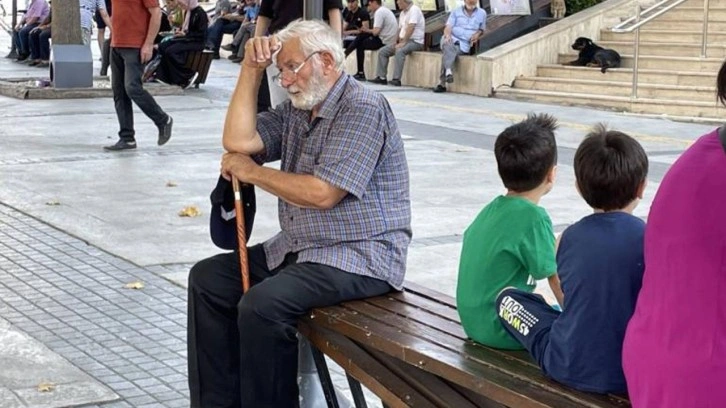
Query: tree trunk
{"type": "Point", "coordinates": [66, 22]}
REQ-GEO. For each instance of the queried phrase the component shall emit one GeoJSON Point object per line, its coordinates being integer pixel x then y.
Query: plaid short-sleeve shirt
{"type": "Point", "coordinates": [355, 145]}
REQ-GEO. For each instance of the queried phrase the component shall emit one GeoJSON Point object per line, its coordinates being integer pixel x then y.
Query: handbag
{"type": "Point", "coordinates": [150, 68]}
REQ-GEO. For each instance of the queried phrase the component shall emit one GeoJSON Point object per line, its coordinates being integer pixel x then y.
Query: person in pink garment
{"type": "Point", "coordinates": [674, 354]}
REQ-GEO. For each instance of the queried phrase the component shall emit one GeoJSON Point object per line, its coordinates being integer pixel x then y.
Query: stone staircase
{"type": "Point", "coordinates": [673, 78]}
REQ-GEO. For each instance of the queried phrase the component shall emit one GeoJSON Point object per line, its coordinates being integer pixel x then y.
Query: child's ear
{"type": "Point", "coordinates": [641, 189]}
{"type": "Point", "coordinates": [552, 175]}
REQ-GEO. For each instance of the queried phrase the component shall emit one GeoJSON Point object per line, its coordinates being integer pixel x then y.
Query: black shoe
{"type": "Point", "coordinates": [216, 56]}
{"type": "Point", "coordinates": [380, 81]}
{"type": "Point", "coordinates": [360, 76]}
{"type": "Point", "coordinates": [440, 88]}
{"type": "Point", "coordinates": [165, 132]}
{"type": "Point", "coordinates": [12, 55]}
{"type": "Point", "coordinates": [235, 60]}
{"type": "Point", "coordinates": [22, 57]}
{"type": "Point", "coordinates": [120, 145]}
{"type": "Point", "coordinates": [395, 82]}
{"type": "Point", "coordinates": [449, 78]}
{"type": "Point", "coordinates": [228, 47]}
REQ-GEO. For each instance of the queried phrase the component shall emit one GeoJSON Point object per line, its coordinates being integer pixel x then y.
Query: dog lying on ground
{"type": "Point", "coordinates": [592, 55]}
{"type": "Point", "coordinates": [558, 8]}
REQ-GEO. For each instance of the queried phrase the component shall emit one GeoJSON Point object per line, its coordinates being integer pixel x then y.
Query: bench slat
{"type": "Point", "coordinates": [440, 361]}
{"type": "Point", "coordinates": [356, 361]}
{"type": "Point", "coordinates": [481, 354]}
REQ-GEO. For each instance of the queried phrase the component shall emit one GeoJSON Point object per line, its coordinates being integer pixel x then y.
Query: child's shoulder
{"type": "Point", "coordinates": [513, 212]}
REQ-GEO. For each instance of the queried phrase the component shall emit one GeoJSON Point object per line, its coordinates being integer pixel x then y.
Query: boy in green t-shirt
{"type": "Point", "coordinates": [511, 242]}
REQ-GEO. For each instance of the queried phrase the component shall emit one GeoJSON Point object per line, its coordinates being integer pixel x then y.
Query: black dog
{"type": "Point", "coordinates": [592, 55]}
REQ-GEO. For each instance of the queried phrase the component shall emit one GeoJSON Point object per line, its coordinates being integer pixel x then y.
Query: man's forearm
{"type": "Point", "coordinates": [240, 124]}
{"type": "Point", "coordinates": [263, 23]}
{"type": "Point", "coordinates": [336, 20]}
{"type": "Point", "coordinates": [154, 23]}
{"type": "Point", "coordinates": [408, 34]}
{"type": "Point", "coordinates": [301, 190]}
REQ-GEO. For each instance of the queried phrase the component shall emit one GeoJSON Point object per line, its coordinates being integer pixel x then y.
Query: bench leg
{"type": "Point", "coordinates": [357, 392]}
{"type": "Point", "coordinates": [325, 380]}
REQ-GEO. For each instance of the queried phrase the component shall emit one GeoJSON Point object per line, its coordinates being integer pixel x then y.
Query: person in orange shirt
{"type": "Point", "coordinates": [136, 23]}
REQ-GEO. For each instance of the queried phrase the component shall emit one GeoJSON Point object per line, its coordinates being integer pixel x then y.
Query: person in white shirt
{"type": "Point", "coordinates": [384, 32]}
{"type": "Point", "coordinates": [412, 26]}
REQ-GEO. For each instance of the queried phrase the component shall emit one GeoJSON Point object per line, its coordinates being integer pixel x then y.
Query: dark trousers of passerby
{"type": "Point", "coordinates": [362, 43]}
{"type": "Point", "coordinates": [126, 70]}
{"type": "Point", "coordinates": [21, 39]}
{"type": "Point", "coordinates": [40, 44]}
{"type": "Point", "coordinates": [217, 30]}
{"type": "Point", "coordinates": [242, 350]}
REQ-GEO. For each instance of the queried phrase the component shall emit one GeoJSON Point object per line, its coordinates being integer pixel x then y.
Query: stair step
{"type": "Point", "coordinates": [714, 50]}
{"type": "Point", "coordinates": [666, 36]}
{"type": "Point", "coordinates": [652, 76]}
{"type": "Point", "coordinates": [693, 14]}
{"type": "Point", "coordinates": [618, 88]}
{"type": "Point", "coordinates": [641, 105]}
{"type": "Point", "coordinates": [668, 63]}
{"type": "Point", "coordinates": [684, 24]}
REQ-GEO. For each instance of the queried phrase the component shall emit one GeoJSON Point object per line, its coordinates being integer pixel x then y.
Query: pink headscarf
{"type": "Point", "coordinates": [189, 5]}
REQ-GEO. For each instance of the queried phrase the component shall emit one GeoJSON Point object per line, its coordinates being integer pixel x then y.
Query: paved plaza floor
{"type": "Point", "coordinates": [78, 224]}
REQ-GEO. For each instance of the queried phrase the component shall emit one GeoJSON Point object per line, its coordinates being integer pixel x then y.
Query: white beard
{"type": "Point", "coordinates": [316, 93]}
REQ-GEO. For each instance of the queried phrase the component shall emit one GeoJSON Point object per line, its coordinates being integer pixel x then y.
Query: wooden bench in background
{"type": "Point", "coordinates": [410, 350]}
{"type": "Point", "coordinates": [199, 62]}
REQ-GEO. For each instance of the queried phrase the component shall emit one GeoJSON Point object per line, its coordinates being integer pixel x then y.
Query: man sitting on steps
{"type": "Point", "coordinates": [384, 32]}
{"type": "Point", "coordinates": [465, 26]}
{"type": "Point", "coordinates": [412, 27]}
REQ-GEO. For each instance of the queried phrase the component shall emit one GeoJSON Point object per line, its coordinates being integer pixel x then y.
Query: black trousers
{"type": "Point", "coordinates": [242, 350]}
{"type": "Point", "coordinates": [126, 70]}
{"type": "Point", "coordinates": [362, 43]}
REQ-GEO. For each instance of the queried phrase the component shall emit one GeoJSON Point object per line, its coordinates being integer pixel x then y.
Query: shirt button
{"type": "Point", "coordinates": [295, 242]}
{"type": "Point", "coordinates": [292, 218]}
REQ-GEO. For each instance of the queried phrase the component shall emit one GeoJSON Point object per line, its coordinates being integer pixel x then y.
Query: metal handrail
{"type": "Point", "coordinates": [621, 28]}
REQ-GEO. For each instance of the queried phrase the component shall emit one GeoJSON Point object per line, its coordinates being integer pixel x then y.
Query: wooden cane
{"type": "Point", "coordinates": [241, 236]}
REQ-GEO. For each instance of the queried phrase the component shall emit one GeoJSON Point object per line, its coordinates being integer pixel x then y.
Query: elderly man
{"type": "Point", "coordinates": [37, 11]}
{"type": "Point", "coordinates": [411, 26]}
{"type": "Point", "coordinates": [465, 26]}
{"type": "Point", "coordinates": [344, 211]}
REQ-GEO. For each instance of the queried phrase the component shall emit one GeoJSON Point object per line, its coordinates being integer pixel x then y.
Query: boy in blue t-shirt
{"type": "Point", "coordinates": [600, 265]}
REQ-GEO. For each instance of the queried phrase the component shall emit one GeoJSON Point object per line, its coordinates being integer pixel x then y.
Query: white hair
{"type": "Point", "coordinates": [315, 36]}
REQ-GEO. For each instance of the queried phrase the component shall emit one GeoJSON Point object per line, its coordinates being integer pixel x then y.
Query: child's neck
{"type": "Point", "coordinates": [628, 209]}
{"type": "Point", "coordinates": [531, 195]}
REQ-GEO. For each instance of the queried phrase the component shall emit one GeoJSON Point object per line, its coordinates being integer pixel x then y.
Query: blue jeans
{"type": "Point", "coordinates": [126, 70]}
{"type": "Point", "coordinates": [217, 30]}
{"type": "Point", "coordinates": [22, 39]}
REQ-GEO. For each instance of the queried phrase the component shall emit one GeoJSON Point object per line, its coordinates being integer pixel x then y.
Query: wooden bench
{"type": "Point", "coordinates": [410, 350]}
{"type": "Point", "coordinates": [199, 62]}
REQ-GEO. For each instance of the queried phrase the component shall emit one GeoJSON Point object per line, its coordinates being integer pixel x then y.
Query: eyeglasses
{"type": "Point", "coordinates": [291, 75]}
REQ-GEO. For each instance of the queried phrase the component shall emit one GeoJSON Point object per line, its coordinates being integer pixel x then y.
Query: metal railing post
{"type": "Point", "coordinates": [636, 53]}
{"type": "Point", "coordinates": [704, 39]}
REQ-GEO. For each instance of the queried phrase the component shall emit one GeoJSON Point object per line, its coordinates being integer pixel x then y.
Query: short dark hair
{"type": "Point", "coordinates": [526, 152]}
{"type": "Point", "coordinates": [721, 84]}
{"type": "Point", "coordinates": [610, 166]}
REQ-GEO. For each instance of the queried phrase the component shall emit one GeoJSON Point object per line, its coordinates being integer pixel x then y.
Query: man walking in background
{"type": "Point", "coordinates": [135, 25]}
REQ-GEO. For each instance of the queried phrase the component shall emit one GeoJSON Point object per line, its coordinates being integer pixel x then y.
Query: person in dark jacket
{"type": "Point", "coordinates": [191, 38]}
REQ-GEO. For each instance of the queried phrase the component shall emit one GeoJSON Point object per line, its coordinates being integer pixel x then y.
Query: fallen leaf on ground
{"type": "Point", "coordinates": [134, 285]}
{"type": "Point", "coordinates": [46, 387]}
{"type": "Point", "coordinates": [52, 202]}
{"type": "Point", "coordinates": [191, 211]}
{"type": "Point", "coordinates": [171, 184]}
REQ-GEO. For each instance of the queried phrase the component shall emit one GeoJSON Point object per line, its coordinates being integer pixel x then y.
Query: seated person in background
{"type": "Point", "coordinates": [245, 32]}
{"type": "Point", "coordinates": [40, 44]}
{"type": "Point", "coordinates": [37, 11]}
{"type": "Point", "coordinates": [355, 19]}
{"type": "Point", "coordinates": [226, 23]}
{"type": "Point", "coordinates": [384, 32]}
{"type": "Point", "coordinates": [412, 26]}
{"type": "Point", "coordinates": [465, 26]}
{"type": "Point", "coordinates": [600, 265]}
{"type": "Point", "coordinates": [172, 69]}
{"type": "Point", "coordinates": [510, 243]}
{"type": "Point", "coordinates": [175, 14]}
